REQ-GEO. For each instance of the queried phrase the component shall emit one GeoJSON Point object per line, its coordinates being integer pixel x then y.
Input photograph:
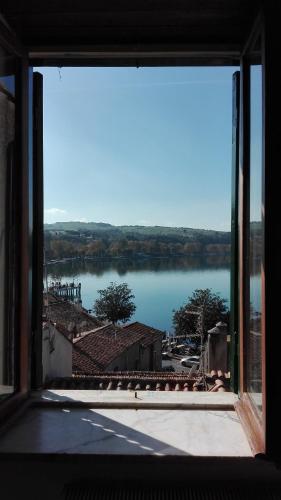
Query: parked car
{"type": "Point", "coordinates": [190, 361]}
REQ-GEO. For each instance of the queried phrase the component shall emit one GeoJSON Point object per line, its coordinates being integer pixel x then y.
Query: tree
{"type": "Point", "coordinates": [115, 303]}
{"type": "Point", "coordinates": [212, 306]}
{"type": "Point", "coordinates": [96, 248]}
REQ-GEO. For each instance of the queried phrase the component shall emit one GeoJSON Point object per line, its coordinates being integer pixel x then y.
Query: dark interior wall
{"type": "Point", "coordinates": [46, 478]}
{"type": "Point", "coordinates": [187, 29]}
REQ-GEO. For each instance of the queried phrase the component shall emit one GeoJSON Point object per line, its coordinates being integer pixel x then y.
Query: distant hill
{"type": "Point", "coordinates": [99, 240]}
{"type": "Point", "coordinates": [101, 230]}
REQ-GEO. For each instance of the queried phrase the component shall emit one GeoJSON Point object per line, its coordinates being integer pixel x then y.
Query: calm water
{"type": "Point", "coordinates": [159, 285]}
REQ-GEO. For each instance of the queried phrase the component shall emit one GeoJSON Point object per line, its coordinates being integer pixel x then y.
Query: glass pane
{"type": "Point", "coordinates": [255, 250]}
{"type": "Point", "coordinates": [7, 135]}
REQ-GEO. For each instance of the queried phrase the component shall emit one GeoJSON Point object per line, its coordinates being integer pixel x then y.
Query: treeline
{"type": "Point", "coordinates": [62, 246]}
{"type": "Point", "coordinates": [102, 231]}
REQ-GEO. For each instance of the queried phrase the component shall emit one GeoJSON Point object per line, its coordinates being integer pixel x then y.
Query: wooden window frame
{"type": "Point", "coordinates": [245, 407]}
{"type": "Point", "coordinates": [23, 270]}
{"type": "Point", "coordinates": [265, 436]}
{"type": "Point", "coordinates": [263, 433]}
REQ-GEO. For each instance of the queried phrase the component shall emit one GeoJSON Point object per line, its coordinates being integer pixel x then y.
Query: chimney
{"type": "Point", "coordinates": [217, 348]}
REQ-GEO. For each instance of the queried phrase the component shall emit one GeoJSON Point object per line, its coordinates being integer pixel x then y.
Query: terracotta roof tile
{"type": "Point", "coordinates": [68, 316]}
{"type": "Point", "coordinates": [95, 350]}
{"type": "Point", "coordinates": [145, 381]}
{"type": "Point", "coordinates": [147, 332]}
{"type": "Point", "coordinates": [149, 381]}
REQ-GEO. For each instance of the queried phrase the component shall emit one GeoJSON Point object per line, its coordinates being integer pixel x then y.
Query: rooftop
{"type": "Point", "coordinates": [69, 317]}
{"type": "Point", "coordinates": [147, 333]}
{"type": "Point", "coordinates": [93, 351]}
{"type": "Point", "coordinates": [142, 381]}
{"type": "Point", "coordinates": [60, 328]}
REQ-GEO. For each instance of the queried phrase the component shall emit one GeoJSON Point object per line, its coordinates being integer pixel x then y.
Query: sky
{"type": "Point", "coordinates": [138, 146]}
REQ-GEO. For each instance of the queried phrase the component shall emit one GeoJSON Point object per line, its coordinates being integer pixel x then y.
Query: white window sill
{"type": "Point", "coordinates": [182, 424]}
{"type": "Point", "coordinates": [140, 399]}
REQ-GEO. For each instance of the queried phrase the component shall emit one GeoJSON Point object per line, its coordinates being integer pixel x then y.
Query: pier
{"type": "Point", "coordinates": [67, 291]}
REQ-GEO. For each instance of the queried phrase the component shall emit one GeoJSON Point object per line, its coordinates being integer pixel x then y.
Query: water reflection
{"type": "Point", "coordinates": [78, 267]}
{"type": "Point", "coordinates": [159, 285]}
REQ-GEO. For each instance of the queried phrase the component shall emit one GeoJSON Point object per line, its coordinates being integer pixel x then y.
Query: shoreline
{"type": "Point", "coordinates": [135, 257]}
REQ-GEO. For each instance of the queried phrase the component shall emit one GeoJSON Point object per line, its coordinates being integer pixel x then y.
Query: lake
{"type": "Point", "coordinates": [159, 285]}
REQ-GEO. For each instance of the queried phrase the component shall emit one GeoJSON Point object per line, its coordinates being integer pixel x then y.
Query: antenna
{"type": "Point", "coordinates": [199, 311]}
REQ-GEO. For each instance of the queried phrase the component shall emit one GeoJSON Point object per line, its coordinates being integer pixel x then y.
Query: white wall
{"type": "Point", "coordinates": [56, 353]}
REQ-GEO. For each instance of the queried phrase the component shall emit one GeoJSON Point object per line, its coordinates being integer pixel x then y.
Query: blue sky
{"type": "Point", "coordinates": [148, 146]}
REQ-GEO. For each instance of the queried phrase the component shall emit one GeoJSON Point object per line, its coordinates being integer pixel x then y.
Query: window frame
{"type": "Point", "coordinates": [245, 407]}
{"type": "Point", "coordinates": [263, 437]}
{"type": "Point", "coordinates": [22, 158]}
{"type": "Point", "coordinates": [29, 224]}
{"type": "Point", "coordinates": [263, 433]}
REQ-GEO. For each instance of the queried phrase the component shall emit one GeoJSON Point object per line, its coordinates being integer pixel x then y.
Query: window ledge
{"type": "Point", "coordinates": [136, 399]}
{"type": "Point", "coordinates": [201, 427]}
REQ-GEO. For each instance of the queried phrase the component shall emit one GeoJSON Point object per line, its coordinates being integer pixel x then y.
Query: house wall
{"type": "Point", "coordinates": [128, 360]}
{"type": "Point", "coordinates": [158, 355]}
{"type": "Point", "coordinates": [151, 357]}
{"type": "Point", "coordinates": [138, 358]}
{"type": "Point", "coordinates": [118, 364]}
{"type": "Point", "coordinates": [145, 356]}
{"type": "Point", "coordinates": [56, 354]}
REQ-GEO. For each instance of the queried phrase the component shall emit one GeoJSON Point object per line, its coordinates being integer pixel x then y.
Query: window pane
{"type": "Point", "coordinates": [7, 135]}
{"type": "Point", "coordinates": [255, 250]}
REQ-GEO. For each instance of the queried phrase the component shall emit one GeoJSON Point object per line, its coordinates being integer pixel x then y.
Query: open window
{"type": "Point", "coordinates": [143, 132]}
{"type": "Point", "coordinates": [255, 194]}
{"type": "Point", "coordinates": [252, 382]}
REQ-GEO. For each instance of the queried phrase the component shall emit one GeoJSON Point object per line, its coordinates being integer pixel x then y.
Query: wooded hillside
{"type": "Point", "coordinates": [99, 240]}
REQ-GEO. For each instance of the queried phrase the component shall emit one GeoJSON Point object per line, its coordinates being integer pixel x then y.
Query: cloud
{"type": "Point", "coordinates": [60, 215]}
{"type": "Point", "coordinates": [54, 214]}
{"type": "Point", "coordinates": [143, 222]}
{"type": "Point", "coordinates": [54, 211]}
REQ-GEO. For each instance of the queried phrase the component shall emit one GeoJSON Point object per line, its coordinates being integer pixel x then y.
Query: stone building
{"type": "Point", "coordinates": [74, 319]}
{"type": "Point", "coordinates": [112, 348]}
{"type": "Point", "coordinates": [56, 351]}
